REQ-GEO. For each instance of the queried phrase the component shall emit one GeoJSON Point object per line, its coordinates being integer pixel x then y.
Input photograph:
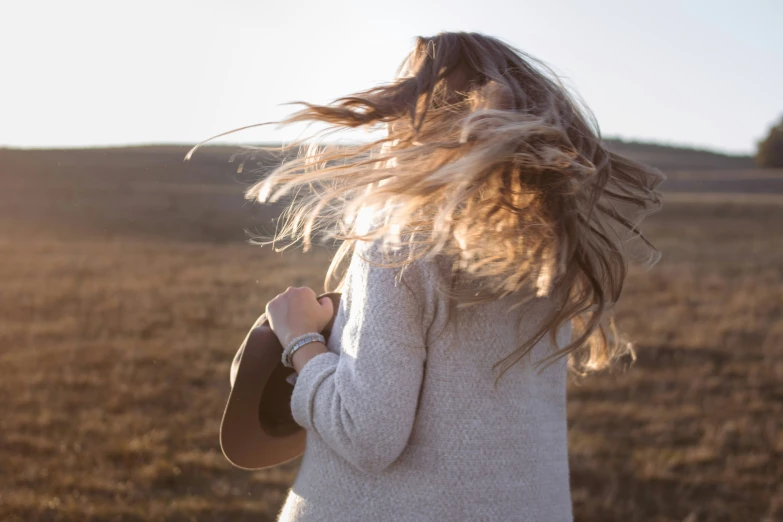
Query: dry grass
{"type": "Point", "coordinates": [695, 427]}
{"type": "Point", "coordinates": [118, 324]}
{"type": "Point", "coordinates": [115, 363]}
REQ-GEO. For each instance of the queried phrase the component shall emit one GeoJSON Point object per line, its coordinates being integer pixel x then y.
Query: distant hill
{"type": "Point", "coordinates": [114, 192]}
{"type": "Point", "coordinates": [665, 157]}
{"type": "Point", "coordinates": [151, 191]}
{"type": "Point", "coordinates": [673, 158]}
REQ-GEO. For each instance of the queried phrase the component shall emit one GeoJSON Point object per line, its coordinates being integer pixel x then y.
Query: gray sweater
{"type": "Point", "coordinates": [402, 420]}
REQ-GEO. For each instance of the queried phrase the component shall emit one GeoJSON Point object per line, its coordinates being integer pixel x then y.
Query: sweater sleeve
{"type": "Point", "coordinates": [363, 402]}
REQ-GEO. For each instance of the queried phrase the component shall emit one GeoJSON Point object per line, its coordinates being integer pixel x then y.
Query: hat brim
{"type": "Point", "coordinates": [257, 430]}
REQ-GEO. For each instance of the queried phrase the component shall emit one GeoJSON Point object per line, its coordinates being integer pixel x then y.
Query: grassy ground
{"type": "Point", "coordinates": [118, 324]}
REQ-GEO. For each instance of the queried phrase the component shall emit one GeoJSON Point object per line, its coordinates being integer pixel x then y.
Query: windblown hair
{"type": "Point", "coordinates": [488, 160]}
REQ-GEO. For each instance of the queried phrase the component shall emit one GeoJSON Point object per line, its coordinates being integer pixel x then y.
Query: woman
{"type": "Point", "coordinates": [489, 230]}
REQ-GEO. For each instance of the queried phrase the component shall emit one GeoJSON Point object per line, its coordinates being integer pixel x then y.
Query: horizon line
{"type": "Point", "coordinates": [631, 141]}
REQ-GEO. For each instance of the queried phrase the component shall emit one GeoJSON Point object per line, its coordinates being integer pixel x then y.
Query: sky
{"type": "Point", "coordinates": [707, 74]}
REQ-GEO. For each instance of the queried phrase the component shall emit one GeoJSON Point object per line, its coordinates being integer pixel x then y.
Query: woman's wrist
{"type": "Point", "coordinates": [298, 343]}
{"type": "Point", "coordinates": [305, 353]}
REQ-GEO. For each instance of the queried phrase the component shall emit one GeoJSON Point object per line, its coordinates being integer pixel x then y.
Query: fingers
{"type": "Point", "coordinates": [327, 309]}
{"type": "Point", "coordinates": [292, 294]}
{"type": "Point", "coordinates": [305, 289]}
{"type": "Point", "coordinates": [326, 303]}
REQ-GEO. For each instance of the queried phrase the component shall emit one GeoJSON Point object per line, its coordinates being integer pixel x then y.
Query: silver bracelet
{"type": "Point", "coordinates": [298, 342]}
{"type": "Point", "coordinates": [299, 338]}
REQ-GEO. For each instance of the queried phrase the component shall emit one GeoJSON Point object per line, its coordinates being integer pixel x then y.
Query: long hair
{"type": "Point", "coordinates": [487, 159]}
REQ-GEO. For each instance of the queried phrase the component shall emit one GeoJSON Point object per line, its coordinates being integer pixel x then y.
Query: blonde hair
{"type": "Point", "coordinates": [487, 160]}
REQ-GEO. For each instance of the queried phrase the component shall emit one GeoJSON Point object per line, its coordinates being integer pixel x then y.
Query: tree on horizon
{"type": "Point", "coordinates": [770, 150]}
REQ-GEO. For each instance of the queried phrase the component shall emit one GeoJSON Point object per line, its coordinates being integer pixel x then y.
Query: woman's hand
{"type": "Point", "coordinates": [297, 311]}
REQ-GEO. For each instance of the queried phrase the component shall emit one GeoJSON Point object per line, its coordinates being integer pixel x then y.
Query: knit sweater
{"type": "Point", "coordinates": [402, 420]}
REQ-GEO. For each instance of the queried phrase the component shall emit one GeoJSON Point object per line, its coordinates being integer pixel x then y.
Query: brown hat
{"type": "Point", "coordinates": [258, 430]}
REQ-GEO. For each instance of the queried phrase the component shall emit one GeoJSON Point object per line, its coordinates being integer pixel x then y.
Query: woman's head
{"type": "Point", "coordinates": [487, 158]}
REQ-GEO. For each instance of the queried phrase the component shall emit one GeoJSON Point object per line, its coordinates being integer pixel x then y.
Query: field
{"type": "Point", "coordinates": [127, 286]}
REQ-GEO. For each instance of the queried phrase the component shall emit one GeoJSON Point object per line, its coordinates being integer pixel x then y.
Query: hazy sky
{"type": "Point", "coordinates": [81, 73]}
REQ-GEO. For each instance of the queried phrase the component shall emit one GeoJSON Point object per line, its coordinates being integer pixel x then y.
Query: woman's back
{"type": "Point", "coordinates": [405, 421]}
{"type": "Point", "coordinates": [494, 166]}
